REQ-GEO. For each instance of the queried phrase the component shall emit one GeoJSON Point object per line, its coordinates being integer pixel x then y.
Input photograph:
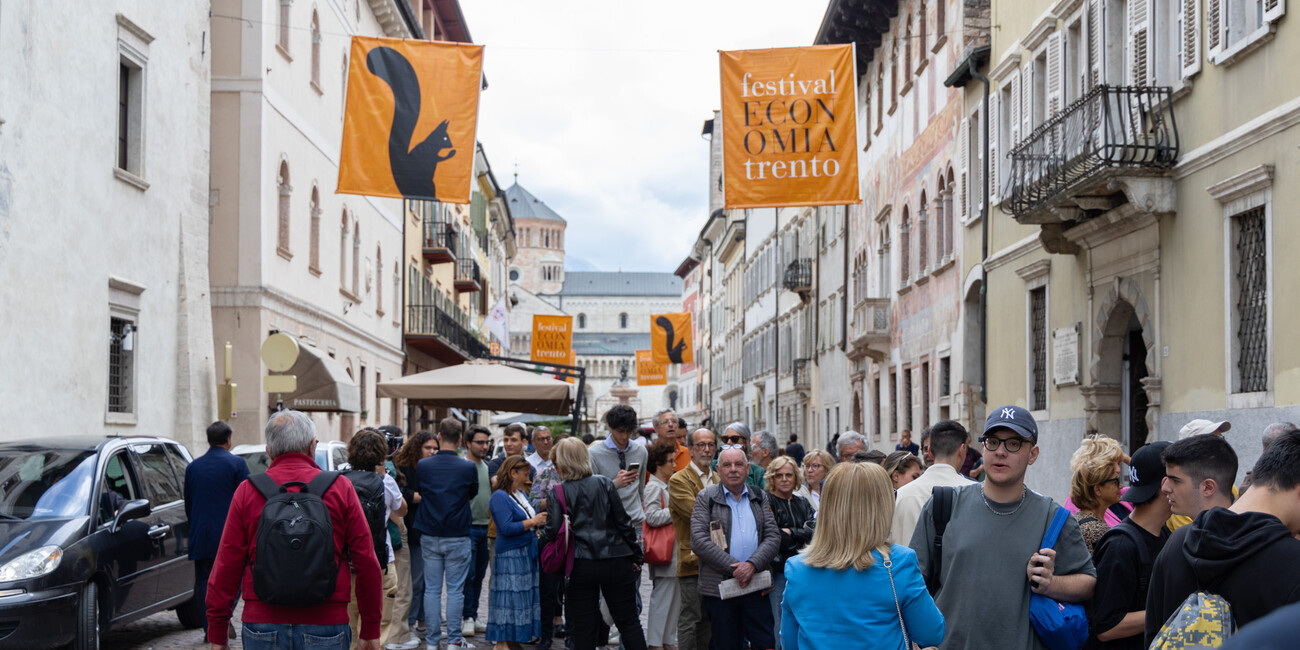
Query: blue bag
{"type": "Point", "coordinates": [1061, 626]}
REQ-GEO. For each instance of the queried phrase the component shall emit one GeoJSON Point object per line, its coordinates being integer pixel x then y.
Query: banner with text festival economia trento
{"type": "Point", "coordinates": [552, 339]}
{"type": "Point", "coordinates": [649, 373]}
{"type": "Point", "coordinates": [789, 127]}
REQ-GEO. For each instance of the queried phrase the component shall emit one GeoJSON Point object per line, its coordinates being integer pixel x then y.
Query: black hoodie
{"type": "Point", "coordinates": [1250, 559]}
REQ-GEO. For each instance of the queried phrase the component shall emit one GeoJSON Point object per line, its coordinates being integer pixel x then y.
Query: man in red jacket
{"type": "Point", "coordinates": [291, 443]}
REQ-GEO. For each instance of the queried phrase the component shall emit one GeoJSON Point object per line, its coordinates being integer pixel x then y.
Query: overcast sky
{"type": "Point", "coordinates": [601, 104]}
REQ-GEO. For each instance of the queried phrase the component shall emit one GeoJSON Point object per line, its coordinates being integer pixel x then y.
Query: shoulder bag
{"type": "Point", "coordinates": [659, 540]}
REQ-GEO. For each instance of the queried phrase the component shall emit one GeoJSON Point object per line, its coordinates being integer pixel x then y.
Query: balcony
{"type": "Point", "coordinates": [468, 277]}
{"type": "Point", "coordinates": [798, 276]}
{"type": "Point", "coordinates": [1113, 146]}
{"type": "Point", "coordinates": [802, 375]}
{"type": "Point", "coordinates": [440, 239]}
{"type": "Point", "coordinates": [438, 333]}
{"type": "Point", "coordinates": [870, 329]}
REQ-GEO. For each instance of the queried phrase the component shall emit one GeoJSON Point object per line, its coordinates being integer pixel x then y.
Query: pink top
{"type": "Point", "coordinates": [1111, 519]}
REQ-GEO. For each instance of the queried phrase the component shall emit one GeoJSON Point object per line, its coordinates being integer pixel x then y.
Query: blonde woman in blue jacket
{"type": "Point", "coordinates": [850, 554]}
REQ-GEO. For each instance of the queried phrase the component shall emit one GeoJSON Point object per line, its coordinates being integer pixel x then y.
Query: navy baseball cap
{"type": "Point", "coordinates": [1145, 472]}
{"type": "Point", "coordinates": [1015, 418]}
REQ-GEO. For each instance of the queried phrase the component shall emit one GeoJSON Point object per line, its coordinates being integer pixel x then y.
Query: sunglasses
{"type": "Point", "coordinates": [732, 439]}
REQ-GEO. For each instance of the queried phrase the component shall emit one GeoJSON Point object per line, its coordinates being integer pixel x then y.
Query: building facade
{"type": "Point", "coordinates": [1134, 244]}
{"type": "Point", "coordinates": [103, 219]}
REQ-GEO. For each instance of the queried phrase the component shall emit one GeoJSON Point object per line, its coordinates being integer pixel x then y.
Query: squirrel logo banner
{"type": "Point", "coordinates": [671, 338]}
{"type": "Point", "coordinates": [411, 119]}
{"type": "Point", "coordinates": [649, 373]}
{"type": "Point", "coordinates": [790, 127]}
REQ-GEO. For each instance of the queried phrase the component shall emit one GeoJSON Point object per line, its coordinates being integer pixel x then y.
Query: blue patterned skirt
{"type": "Point", "coordinates": [514, 608]}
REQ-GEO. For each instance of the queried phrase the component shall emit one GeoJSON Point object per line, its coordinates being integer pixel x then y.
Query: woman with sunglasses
{"type": "Point", "coordinates": [1095, 486]}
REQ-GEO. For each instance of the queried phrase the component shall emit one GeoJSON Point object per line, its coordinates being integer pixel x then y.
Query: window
{"type": "Point", "coordinates": [356, 260]}
{"type": "Point", "coordinates": [133, 57]}
{"type": "Point", "coordinates": [365, 399]}
{"type": "Point", "coordinates": [514, 275]}
{"type": "Point", "coordinates": [343, 250]}
{"type": "Point", "coordinates": [121, 366]}
{"type": "Point", "coordinates": [397, 292]}
{"type": "Point", "coordinates": [1248, 300]}
{"type": "Point", "coordinates": [908, 404]}
{"type": "Point", "coordinates": [119, 479]}
{"type": "Point", "coordinates": [1038, 348]}
{"type": "Point", "coordinates": [1232, 25]}
{"type": "Point", "coordinates": [922, 235]}
{"type": "Point", "coordinates": [314, 208]}
{"type": "Point", "coordinates": [379, 281]}
{"type": "Point", "coordinates": [925, 395]}
{"type": "Point", "coordinates": [283, 44]}
{"type": "Point", "coordinates": [904, 248]}
{"type": "Point", "coordinates": [157, 475]}
{"type": "Point", "coordinates": [893, 400]}
{"type": "Point", "coordinates": [875, 412]}
{"type": "Point", "coordinates": [948, 212]}
{"type": "Point", "coordinates": [622, 321]}
{"type": "Point", "coordinates": [285, 191]}
{"type": "Point", "coordinates": [945, 376]}
{"type": "Point", "coordinates": [315, 51]}
{"type": "Point", "coordinates": [582, 321]}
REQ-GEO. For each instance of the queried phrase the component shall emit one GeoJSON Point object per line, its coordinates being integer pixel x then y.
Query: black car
{"type": "Point", "coordinates": [92, 531]}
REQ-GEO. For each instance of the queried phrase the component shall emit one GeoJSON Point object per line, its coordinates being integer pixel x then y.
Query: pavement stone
{"type": "Point", "coordinates": [162, 631]}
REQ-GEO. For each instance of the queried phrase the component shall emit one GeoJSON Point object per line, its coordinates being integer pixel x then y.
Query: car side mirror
{"type": "Point", "coordinates": [137, 509]}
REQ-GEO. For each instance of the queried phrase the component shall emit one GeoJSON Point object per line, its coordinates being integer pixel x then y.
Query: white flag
{"type": "Point", "coordinates": [498, 323]}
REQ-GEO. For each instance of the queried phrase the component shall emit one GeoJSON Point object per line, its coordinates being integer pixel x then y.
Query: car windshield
{"type": "Point", "coordinates": [39, 483]}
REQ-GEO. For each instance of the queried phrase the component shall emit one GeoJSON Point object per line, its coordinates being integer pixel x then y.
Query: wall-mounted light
{"type": "Point", "coordinates": [128, 337]}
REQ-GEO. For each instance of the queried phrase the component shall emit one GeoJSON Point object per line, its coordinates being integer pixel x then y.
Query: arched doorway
{"type": "Point", "coordinates": [970, 411]}
{"type": "Point", "coordinates": [857, 411]}
{"type": "Point", "coordinates": [1123, 400]}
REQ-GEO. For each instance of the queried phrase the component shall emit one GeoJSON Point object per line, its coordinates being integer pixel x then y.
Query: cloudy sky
{"type": "Point", "coordinates": [601, 102]}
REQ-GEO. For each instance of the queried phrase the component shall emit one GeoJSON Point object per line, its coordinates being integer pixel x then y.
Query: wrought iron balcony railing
{"type": "Point", "coordinates": [431, 319]}
{"type": "Point", "coordinates": [440, 241]}
{"type": "Point", "coordinates": [798, 275]}
{"type": "Point", "coordinates": [468, 276]}
{"type": "Point", "coordinates": [1110, 127]}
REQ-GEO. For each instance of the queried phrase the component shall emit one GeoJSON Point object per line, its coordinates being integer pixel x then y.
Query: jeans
{"type": "Point", "coordinates": [416, 611]}
{"type": "Point", "coordinates": [444, 557]}
{"type": "Point", "coordinates": [478, 565]}
{"type": "Point", "coordinates": [774, 599]}
{"type": "Point", "coordinates": [737, 619]}
{"type": "Point", "coordinates": [617, 582]}
{"type": "Point", "coordinates": [286, 636]}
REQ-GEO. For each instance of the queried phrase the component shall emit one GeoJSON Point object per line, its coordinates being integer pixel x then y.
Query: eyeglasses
{"type": "Point", "coordinates": [1110, 480]}
{"type": "Point", "coordinates": [814, 466]}
{"type": "Point", "coordinates": [726, 447]}
{"type": "Point", "coordinates": [1013, 445]}
{"type": "Point", "coordinates": [705, 445]}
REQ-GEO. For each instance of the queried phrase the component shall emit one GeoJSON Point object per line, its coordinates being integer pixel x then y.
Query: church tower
{"type": "Point", "coordinates": [538, 265]}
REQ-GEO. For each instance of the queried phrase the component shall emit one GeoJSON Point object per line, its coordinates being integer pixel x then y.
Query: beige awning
{"type": "Point", "coordinates": [323, 383]}
{"type": "Point", "coordinates": [483, 386]}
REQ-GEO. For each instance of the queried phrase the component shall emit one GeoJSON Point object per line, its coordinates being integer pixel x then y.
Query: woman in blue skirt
{"type": "Point", "coordinates": [514, 608]}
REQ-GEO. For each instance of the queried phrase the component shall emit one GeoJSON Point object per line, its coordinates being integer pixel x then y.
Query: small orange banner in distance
{"type": "Point", "coordinates": [671, 338]}
{"type": "Point", "coordinates": [552, 339]}
{"type": "Point", "coordinates": [649, 373]}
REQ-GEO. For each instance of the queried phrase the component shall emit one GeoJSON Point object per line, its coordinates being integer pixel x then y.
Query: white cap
{"type": "Point", "coordinates": [1198, 427]}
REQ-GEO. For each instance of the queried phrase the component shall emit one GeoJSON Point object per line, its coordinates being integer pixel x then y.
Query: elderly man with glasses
{"type": "Point", "coordinates": [693, 629]}
{"type": "Point", "coordinates": [737, 436]}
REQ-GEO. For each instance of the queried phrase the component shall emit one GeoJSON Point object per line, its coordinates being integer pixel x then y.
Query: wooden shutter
{"type": "Point", "coordinates": [1273, 9]}
{"type": "Point", "coordinates": [1095, 45]}
{"type": "Point", "coordinates": [1138, 46]}
{"type": "Point", "coordinates": [1027, 98]}
{"type": "Point", "coordinates": [991, 123]}
{"type": "Point", "coordinates": [1014, 112]}
{"type": "Point", "coordinates": [1213, 27]}
{"type": "Point", "coordinates": [1055, 73]}
{"type": "Point", "coordinates": [963, 163]}
{"type": "Point", "coordinates": [1190, 43]}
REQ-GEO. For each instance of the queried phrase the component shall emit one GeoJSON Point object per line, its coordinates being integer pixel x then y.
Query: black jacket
{"type": "Point", "coordinates": [601, 528]}
{"type": "Point", "coordinates": [795, 514]}
{"type": "Point", "coordinates": [1249, 559]}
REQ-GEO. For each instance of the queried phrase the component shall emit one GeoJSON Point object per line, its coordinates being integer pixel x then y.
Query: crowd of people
{"type": "Point", "coordinates": [748, 544]}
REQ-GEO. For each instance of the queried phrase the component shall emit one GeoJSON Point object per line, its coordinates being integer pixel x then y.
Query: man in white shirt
{"type": "Point", "coordinates": [541, 458]}
{"type": "Point", "coordinates": [948, 442]}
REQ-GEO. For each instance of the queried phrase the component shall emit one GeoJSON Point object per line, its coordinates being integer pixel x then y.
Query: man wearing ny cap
{"type": "Point", "coordinates": [991, 560]}
{"type": "Point", "coordinates": [1125, 554]}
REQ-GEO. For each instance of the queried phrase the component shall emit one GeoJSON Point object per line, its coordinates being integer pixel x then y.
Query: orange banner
{"type": "Point", "coordinates": [670, 338]}
{"type": "Point", "coordinates": [552, 339]}
{"type": "Point", "coordinates": [649, 373]}
{"type": "Point", "coordinates": [789, 127]}
{"type": "Point", "coordinates": [411, 119]}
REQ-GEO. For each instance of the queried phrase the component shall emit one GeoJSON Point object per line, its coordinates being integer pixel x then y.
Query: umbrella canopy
{"type": "Point", "coordinates": [483, 386]}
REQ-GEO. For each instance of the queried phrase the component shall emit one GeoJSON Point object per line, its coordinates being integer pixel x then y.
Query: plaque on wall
{"type": "Point", "coordinates": [1065, 356]}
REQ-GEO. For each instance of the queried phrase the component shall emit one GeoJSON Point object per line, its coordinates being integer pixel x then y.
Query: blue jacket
{"type": "Point", "coordinates": [447, 483]}
{"type": "Point", "coordinates": [210, 483]}
{"type": "Point", "coordinates": [816, 615]}
{"type": "Point", "coordinates": [509, 518]}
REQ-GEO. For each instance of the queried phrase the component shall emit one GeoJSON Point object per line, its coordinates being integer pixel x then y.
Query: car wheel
{"type": "Point", "coordinates": [88, 619]}
{"type": "Point", "coordinates": [190, 613]}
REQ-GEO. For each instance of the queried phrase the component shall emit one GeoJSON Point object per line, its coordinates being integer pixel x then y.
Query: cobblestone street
{"type": "Point", "coordinates": [163, 632]}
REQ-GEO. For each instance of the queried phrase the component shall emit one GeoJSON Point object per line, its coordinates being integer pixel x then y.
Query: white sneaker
{"type": "Point", "coordinates": [467, 627]}
{"type": "Point", "coordinates": [614, 637]}
{"type": "Point", "coordinates": [411, 644]}
{"type": "Point", "coordinates": [463, 645]}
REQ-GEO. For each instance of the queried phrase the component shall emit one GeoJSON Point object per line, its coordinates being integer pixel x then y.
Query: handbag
{"type": "Point", "coordinates": [659, 541]}
{"type": "Point", "coordinates": [558, 555]}
{"type": "Point", "coordinates": [888, 564]}
{"type": "Point", "coordinates": [1061, 626]}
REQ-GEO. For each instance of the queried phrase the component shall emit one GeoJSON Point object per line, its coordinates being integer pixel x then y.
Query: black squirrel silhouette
{"type": "Point", "coordinates": [674, 351]}
{"type": "Point", "coordinates": [413, 168]}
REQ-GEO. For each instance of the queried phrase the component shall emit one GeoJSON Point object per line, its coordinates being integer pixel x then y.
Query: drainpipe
{"type": "Point", "coordinates": [984, 242]}
{"type": "Point", "coordinates": [776, 319]}
{"type": "Point", "coordinates": [844, 284]}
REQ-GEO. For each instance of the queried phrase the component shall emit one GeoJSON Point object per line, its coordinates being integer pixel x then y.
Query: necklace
{"type": "Point", "coordinates": [1004, 514]}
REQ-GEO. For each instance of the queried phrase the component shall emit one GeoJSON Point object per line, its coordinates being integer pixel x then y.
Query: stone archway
{"type": "Point", "coordinates": [1123, 304]}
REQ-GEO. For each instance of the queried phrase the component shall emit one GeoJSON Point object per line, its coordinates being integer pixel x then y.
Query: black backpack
{"type": "Point", "coordinates": [941, 499]}
{"type": "Point", "coordinates": [370, 490]}
{"type": "Point", "coordinates": [294, 565]}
